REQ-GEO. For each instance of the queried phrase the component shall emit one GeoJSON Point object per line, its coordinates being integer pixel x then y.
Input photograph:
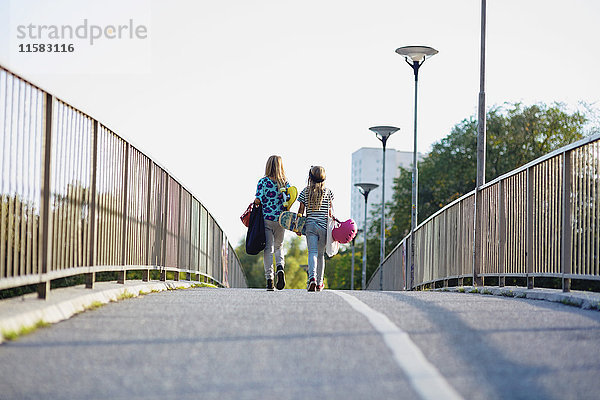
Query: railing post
{"type": "Point", "coordinates": [179, 238]}
{"type": "Point", "coordinates": [146, 273]}
{"type": "Point", "coordinates": [189, 274]}
{"type": "Point", "coordinates": [567, 231]}
{"type": "Point", "coordinates": [444, 236]}
{"type": "Point", "coordinates": [123, 274]}
{"type": "Point", "coordinates": [405, 261]}
{"type": "Point", "coordinates": [501, 235]}
{"type": "Point", "coordinates": [90, 277]}
{"type": "Point", "coordinates": [529, 235]}
{"type": "Point", "coordinates": [163, 272]}
{"type": "Point", "coordinates": [477, 281]}
{"type": "Point", "coordinates": [43, 288]}
{"type": "Point", "coordinates": [460, 245]}
{"type": "Point", "coordinates": [409, 264]}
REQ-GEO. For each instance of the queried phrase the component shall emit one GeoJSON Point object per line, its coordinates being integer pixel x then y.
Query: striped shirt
{"type": "Point", "coordinates": [318, 216]}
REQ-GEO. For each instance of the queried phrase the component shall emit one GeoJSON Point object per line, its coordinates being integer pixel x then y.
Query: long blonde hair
{"type": "Point", "coordinates": [274, 170]}
{"type": "Point", "coordinates": [316, 184]}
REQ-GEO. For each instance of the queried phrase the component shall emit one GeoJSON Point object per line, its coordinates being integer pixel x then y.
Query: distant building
{"type": "Point", "coordinates": [366, 168]}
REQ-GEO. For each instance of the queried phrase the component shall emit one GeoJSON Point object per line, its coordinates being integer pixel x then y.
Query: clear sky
{"type": "Point", "coordinates": [230, 82]}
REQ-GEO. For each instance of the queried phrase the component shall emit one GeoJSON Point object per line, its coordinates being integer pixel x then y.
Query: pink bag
{"type": "Point", "coordinates": [345, 232]}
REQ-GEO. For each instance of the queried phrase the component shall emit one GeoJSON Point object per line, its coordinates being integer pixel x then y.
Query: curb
{"type": "Point", "coordinates": [584, 300]}
{"type": "Point", "coordinates": [50, 313]}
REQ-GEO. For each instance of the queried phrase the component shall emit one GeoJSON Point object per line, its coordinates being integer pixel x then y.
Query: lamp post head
{"type": "Point", "coordinates": [365, 188]}
{"type": "Point", "coordinates": [383, 132]}
{"type": "Point", "coordinates": [416, 53]}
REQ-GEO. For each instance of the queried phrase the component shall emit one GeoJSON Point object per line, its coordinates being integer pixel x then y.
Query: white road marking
{"type": "Point", "coordinates": [423, 376]}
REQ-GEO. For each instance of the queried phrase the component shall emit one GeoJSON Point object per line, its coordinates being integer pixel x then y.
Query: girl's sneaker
{"type": "Point", "coordinates": [312, 285]}
{"type": "Point", "coordinates": [270, 285]}
{"type": "Point", "coordinates": [320, 287]}
{"type": "Point", "coordinates": [280, 278]}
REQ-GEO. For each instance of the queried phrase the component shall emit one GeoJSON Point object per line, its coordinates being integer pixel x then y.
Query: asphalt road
{"type": "Point", "coordinates": [248, 344]}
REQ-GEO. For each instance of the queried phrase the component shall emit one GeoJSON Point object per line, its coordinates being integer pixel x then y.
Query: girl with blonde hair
{"type": "Point", "coordinates": [268, 193]}
{"type": "Point", "coordinates": [317, 200]}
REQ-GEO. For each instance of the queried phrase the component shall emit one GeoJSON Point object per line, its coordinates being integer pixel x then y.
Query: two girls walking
{"type": "Point", "coordinates": [316, 200]}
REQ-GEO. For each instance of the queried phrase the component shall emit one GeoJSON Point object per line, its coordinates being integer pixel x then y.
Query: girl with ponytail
{"type": "Point", "coordinates": [317, 201]}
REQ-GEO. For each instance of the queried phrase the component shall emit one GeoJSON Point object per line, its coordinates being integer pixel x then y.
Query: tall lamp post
{"type": "Point", "coordinates": [477, 279]}
{"type": "Point", "coordinates": [365, 189]}
{"type": "Point", "coordinates": [417, 56]}
{"type": "Point", "coordinates": [383, 133]}
{"type": "Point", "coordinates": [358, 232]}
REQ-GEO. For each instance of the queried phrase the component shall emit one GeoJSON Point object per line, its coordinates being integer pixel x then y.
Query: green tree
{"type": "Point", "coordinates": [295, 256]}
{"type": "Point", "coordinates": [374, 238]}
{"type": "Point", "coordinates": [338, 268]}
{"type": "Point", "coordinates": [516, 134]}
{"type": "Point", "coordinates": [253, 266]}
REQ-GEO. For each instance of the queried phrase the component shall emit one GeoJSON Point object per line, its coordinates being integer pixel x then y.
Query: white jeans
{"type": "Point", "coordinates": [274, 242]}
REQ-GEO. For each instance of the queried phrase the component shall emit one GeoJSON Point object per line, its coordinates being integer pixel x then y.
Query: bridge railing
{"type": "Point", "coordinates": [540, 220]}
{"type": "Point", "coordinates": [76, 198]}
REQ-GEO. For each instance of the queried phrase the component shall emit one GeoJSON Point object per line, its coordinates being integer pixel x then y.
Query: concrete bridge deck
{"type": "Point", "coordinates": [247, 343]}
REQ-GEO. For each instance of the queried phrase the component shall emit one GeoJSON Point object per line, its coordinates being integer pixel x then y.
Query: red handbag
{"type": "Point", "coordinates": [246, 215]}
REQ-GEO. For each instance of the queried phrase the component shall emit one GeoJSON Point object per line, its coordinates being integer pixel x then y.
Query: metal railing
{"type": "Point", "coordinates": [78, 199]}
{"type": "Point", "coordinates": [540, 220]}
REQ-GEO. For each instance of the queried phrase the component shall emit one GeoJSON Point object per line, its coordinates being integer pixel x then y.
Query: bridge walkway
{"type": "Point", "coordinates": [249, 343]}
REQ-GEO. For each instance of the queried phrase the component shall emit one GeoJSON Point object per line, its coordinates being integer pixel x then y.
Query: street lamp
{"type": "Point", "coordinates": [383, 133]}
{"type": "Point", "coordinates": [480, 180]}
{"type": "Point", "coordinates": [358, 232]}
{"type": "Point", "coordinates": [417, 55]}
{"type": "Point", "coordinates": [365, 189]}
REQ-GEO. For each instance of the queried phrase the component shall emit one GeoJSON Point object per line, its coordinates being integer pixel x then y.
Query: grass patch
{"type": "Point", "coordinates": [507, 293]}
{"type": "Point", "coordinates": [125, 295]}
{"type": "Point", "coordinates": [461, 290]}
{"type": "Point", "coordinates": [473, 291]}
{"type": "Point", "coordinates": [486, 291]}
{"type": "Point", "coordinates": [569, 302]}
{"type": "Point", "coordinates": [204, 284]}
{"type": "Point", "coordinates": [195, 286]}
{"type": "Point", "coordinates": [95, 305]}
{"type": "Point", "coordinates": [24, 330]}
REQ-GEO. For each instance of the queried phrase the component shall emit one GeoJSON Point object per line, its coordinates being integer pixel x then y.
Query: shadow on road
{"type": "Point", "coordinates": [507, 378]}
